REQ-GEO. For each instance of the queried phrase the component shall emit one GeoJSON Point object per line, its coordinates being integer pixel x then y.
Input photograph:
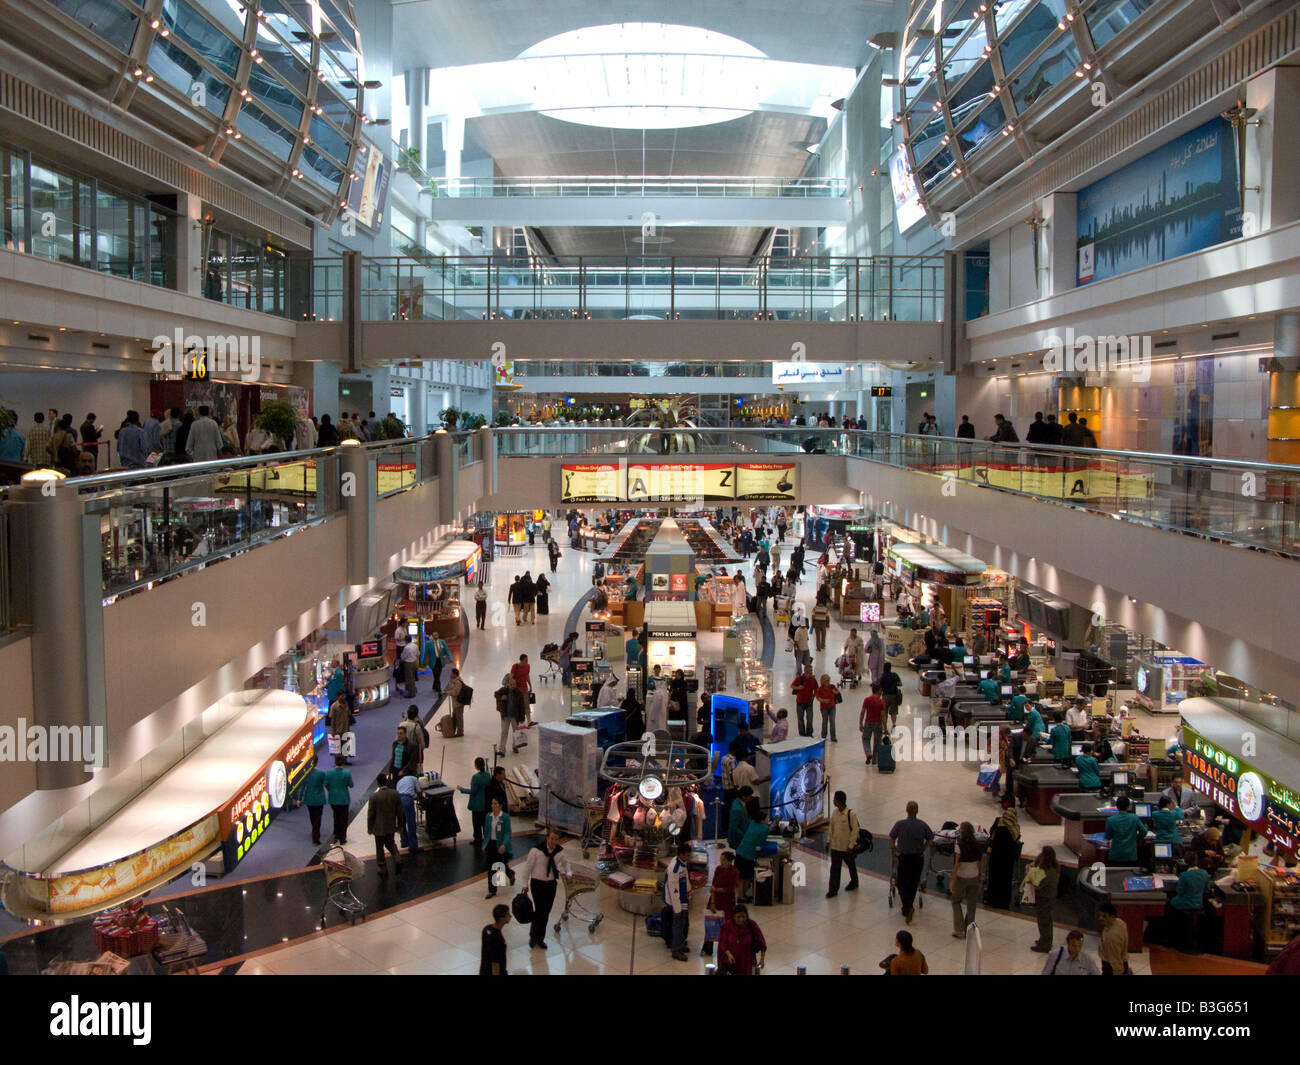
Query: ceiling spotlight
{"type": "Point", "coordinates": [154, 24]}
{"type": "Point", "coordinates": [137, 71]}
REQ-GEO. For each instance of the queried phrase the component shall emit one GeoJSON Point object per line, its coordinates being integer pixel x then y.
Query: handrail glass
{"type": "Point", "coordinates": [591, 185]}
{"type": "Point", "coordinates": [1247, 504]}
{"type": "Point", "coordinates": [478, 288]}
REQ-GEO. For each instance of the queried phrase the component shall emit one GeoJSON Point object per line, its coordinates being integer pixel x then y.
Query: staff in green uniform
{"type": "Point", "coordinates": [1089, 774]}
{"type": "Point", "coordinates": [1124, 829]}
{"type": "Point", "coordinates": [988, 688]}
{"type": "Point", "coordinates": [1165, 821]}
{"type": "Point", "coordinates": [1060, 738]}
{"type": "Point", "coordinates": [1016, 708]}
{"type": "Point", "coordinates": [738, 820]}
{"type": "Point", "coordinates": [1035, 721]}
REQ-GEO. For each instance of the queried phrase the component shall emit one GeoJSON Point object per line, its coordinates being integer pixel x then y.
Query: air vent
{"type": "Point", "coordinates": [38, 339]}
{"type": "Point", "coordinates": [1216, 337]}
{"type": "Point", "coordinates": [101, 347]}
{"type": "Point", "coordinates": [1164, 344]}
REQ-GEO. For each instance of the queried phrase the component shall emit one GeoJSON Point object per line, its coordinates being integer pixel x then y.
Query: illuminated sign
{"type": "Point", "coordinates": [766, 480]}
{"type": "Point", "coordinates": [882, 391]}
{"type": "Point", "coordinates": [657, 481]}
{"type": "Point", "coordinates": [599, 482]}
{"type": "Point", "coordinates": [809, 374]}
{"type": "Point", "coordinates": [243, 820]}
{"type": "Point", "coordinates": [1251, 796]}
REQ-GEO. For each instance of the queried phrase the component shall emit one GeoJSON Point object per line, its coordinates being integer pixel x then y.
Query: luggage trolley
{"type": "Point", "coordinates": [340, 866]}
{"type": "Point", "coordinates": [941, 855]}
{"type": "Point", "coordinates": [577, 886]}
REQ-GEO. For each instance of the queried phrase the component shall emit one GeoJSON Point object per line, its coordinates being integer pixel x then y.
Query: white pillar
{"type": "Point", "coordinates": [453, 140]}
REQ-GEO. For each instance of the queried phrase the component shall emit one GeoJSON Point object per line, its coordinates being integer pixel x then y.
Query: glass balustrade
{"type": "Point", "coordinates": [586, 186]}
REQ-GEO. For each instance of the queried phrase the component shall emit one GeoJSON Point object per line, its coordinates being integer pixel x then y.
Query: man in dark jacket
{"type": "Point", "coordinates": [383, 815]}
{"type": "Point", "coordinates": [966, 431]}
{"type": "Point", "coordinates": [527, 593]}
{"type": "Point", "coordinates": [1005, 433]}
{"type": "Point", "coordinates": [1072, 434]}
{"type": "Point", "coordinates": [1053, 431]}
{"type": "Point", "coordinates": [1037, 433]}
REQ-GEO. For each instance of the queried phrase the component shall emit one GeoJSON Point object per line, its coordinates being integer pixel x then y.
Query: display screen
{"type": "Point", "coordinates": [600, 482]}
{"type": "Point", "coordinates": [1006, 689]}
{"type": "Point", "coordinates": [766, 480]}
{"type": "Point", "coordinates": [370, 649]}
{"type": "Point", "coordinates": [1142, 809]}
{"type": "Point", "coordinates": [1163, 851]}
{"type": "Point", "coordinates": [651, 481]}
{"type": "Point", "coordinates": [1120, 780]}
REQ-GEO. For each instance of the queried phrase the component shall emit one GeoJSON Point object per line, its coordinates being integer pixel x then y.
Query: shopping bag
{"type": "Point", "coordinates": [712, 927]}
{"type": "Point", "coordinates": [520, 738]}
{"type": "Point", "coordinates": [522, 908]}
{"type": "Point", "coordinates": [988, 774]}
{"type": "Point", "coordinates": [333, 744]}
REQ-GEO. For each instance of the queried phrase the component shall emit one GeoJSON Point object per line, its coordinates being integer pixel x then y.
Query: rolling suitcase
{"type": "Point", "coordinates": [764, 888]}
{"type": "Point", "coordinates": [885, 756]}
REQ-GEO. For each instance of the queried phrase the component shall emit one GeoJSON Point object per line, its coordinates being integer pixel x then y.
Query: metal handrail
{"type": "Point", "coordinates": [833, 187]}
{"type": "Point", "coordinates": [805, 430]}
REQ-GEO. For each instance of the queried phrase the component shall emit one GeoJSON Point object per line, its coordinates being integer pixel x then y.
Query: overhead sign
{"type": "Point", "coordinates": [598, 482]}
{"type": "Point", "coordinates": [1251, 796]}
{"type": "Point", "coordinates": [809, 374]}
{"type": "Point", "coordinates": [766, 480]}
{"type": "Point", "coordinates": [650, 481]}
{"type": "Point", "coordinates": [882, 391]}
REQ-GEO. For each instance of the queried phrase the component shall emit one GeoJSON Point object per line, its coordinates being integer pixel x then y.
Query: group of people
{"type": "Point", "coordinates": [166, 437]}
{"type": "Point", "coordinates": [530, 597]}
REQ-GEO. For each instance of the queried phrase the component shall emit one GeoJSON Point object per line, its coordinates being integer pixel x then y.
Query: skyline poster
{"type": "Point", "coordinates": [1174, 201]}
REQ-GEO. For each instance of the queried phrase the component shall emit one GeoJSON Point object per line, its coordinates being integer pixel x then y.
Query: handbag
{"type": "Point", "coordinates": [466, 695]}
{"type": "Point", "coordinates": [522, 907]}
{"type": "Point", "coordinates": [532, 697]}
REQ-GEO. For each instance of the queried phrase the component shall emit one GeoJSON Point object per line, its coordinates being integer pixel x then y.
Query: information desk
{"type": "Point", "coordinates": [1084, 814]}
{"type": "Point", "coordinates": [1231, 925]}
{"type": "Point", "coordinates": [1040, 784]}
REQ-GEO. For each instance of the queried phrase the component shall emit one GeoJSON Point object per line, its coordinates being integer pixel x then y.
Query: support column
{"type": "Point", "coordinates": [189, 245]}
{"type": "Point", "coordinates": [357, 479]}
{"type": "Point", "coordinates": [1057, 249]}
{"type": "Point", "coordinates": [62, 602]}
{"type": "Point", "coordinates": [448, 475]}
{"type": "Point", "coordinates": [453, 139]}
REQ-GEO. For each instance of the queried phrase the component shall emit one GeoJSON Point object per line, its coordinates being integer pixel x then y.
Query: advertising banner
{"type": "Point", "coordinates": [765, 480]}
{"type": "Point", "coordinates": [680, 481]}
{"type": "Point", "coordinates": [598, 482]}
{"type": "Point", "coordinates": [1176, 200]}
{"type": "Point", "coordinates": [809, 374]}
{"type": "Point", "coordinates": [798, 772]}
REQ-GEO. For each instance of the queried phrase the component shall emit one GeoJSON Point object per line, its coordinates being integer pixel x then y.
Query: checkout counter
{"type": "Point", "coordinates": [1084, 814]}
{"type": "Point", "coordinates": [1231, 914]}
{"type": "Point", "coordinates": [1039, 784]}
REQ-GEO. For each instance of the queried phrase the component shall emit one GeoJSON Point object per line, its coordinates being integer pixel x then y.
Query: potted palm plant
{"type": "Point", "coordinates": [279, 420]}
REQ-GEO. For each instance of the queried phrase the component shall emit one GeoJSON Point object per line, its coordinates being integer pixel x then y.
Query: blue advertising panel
{"type": "Point", "coordinates": [1175, 201]}
{"type": "Point", "coordinates": [798, 773]}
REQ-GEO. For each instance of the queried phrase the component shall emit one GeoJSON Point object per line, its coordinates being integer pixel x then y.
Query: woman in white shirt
{"type": "Point", "coordinates": [541, 869]}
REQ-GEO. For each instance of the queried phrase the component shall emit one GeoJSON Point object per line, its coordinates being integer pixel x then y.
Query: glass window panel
{"type": "Point", "coordinates": [1006, 13]}
{"type": "Point", "coordinates": [328, 139]}
{"type": "Point", "coordinates": [181, 70]}
{"type": "Point", "coordinates": [1107, 18]}
{"type": "Point", "coordinates": [104, 18]}
{"type": "Point", "coordinates": [292, 71]}
{"type": "Point", "coordinates": [921, 63]}
{"type": "Point", "coordinates": [335, 56]}
{"type": "Point", "coordinates": [282, 26]}
{"type": "Point", "coordinates": [930, 137]}
{"type": "Point", "coordinates": [970, 96]}
{"type": "Point", "coordinates": [244, 270]}
{"type": "Point", "coordinates": [120, 234]}
{"type": "Point", "coordinates": [57, 200]}
{"type": "Point", "coordinates": [13, 176]}
{"type": "Point", "coordinates": [936, 168]}
{"type": "Point", "coordinates": [964, 56]}
{"type": "Point", "coordinates": [274, 96]}
{"type": "Point", "coordinates": [335, 13]}
{"type": "Point", "coordinates": [200, 35]}
{"type": "Point", "coordinates": [990, 122]}
{"type": "Point", "coordinates": [333, 108]}
{"type": "Point", "coordinates": [1035, 28]}
{"type": "Point", "coordinates": [230, 17]}
{"type": "Point", "coordinates": [262, 129]}
{"type": "Point", "coordinates": [312, 162]}
{"type": "Point", "coordinates": [923, 102]}
{"type": "Point", "coordinates": [1055, 64]}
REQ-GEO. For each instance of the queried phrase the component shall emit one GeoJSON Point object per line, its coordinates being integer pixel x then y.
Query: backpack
{"type": "Point", "coordinates": [466, 695]}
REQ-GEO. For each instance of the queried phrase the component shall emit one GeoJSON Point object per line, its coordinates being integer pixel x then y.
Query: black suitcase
{"type": "Point", "coordinates": [543, 602]}
{"type": "Point", "coordinates": [764, 890]}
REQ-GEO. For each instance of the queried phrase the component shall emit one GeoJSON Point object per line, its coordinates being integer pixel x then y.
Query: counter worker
{"type": "Point", "coordinates": [1124, 829]}
{"type": "Point", "coordinates": [1060, 739]}
{"type": "Point", "coordinates": [1077, 716]}
{"type": "Point", "coordinates": [337, 684]}
{"type": "Point", "coordinates": [957, 652]}
{"type": "Point", "coordinates": [1089, 774]}
{"type": "Point", "coordinates": [738, 816]}
{"type": "Point", "coordinates": [1004, 674]}
{"type": "Point", "coordinates": [1035, 721]}
{"type": "Point", "coordinates": [1165, 821]}
{"type": "Point", "coordinates": [990, 689]}
{"type": "Point", "coordinates": [1016, 708]}
{"type": "Point", "coordinates": [477, 792]}
{"type": "Point", "coordinates": [630, 590]}
{"type": "Point", "coordinates": [1189, 895]}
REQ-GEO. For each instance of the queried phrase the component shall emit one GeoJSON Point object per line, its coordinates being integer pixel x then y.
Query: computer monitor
{"type": "Point", "coordinates": [1142, 809]}
{"type": "Point", "coordinates": [1006, 689]}
{"type": "Point", "coordinates": [1076, 749]}
{"type": "Point", "coordinates": [1120, 780]}
{"type": "Point", "coordinates": [1163, 852]}
{"type": "Point", "coordinates": [984, 674]}
{"type": "Point", "coordinates": [969, 660]}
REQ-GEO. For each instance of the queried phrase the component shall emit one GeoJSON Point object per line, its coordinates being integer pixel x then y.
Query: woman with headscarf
{"type": "Point", "coordinates": [875, 655]}
{"type": "Point", "coordinates": [1004, 853]}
